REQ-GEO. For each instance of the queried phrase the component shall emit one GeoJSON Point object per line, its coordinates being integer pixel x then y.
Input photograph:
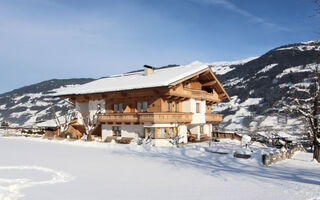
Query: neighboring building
{"type": "Point", "coordinates": [72, 129]}
{"type": "Point", "coordinates": [162, 102]}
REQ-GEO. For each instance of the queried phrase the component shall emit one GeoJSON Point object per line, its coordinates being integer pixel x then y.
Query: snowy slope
{"type": "Point", "coordinates": [32, 103]}
{"type": "Point", "coordinates": [259, 86]}
{"type": "Point", "coordinates": [255, 85]}
{"type": "Point", "coordinates": [42, 169]}
{"type": "Point", "coordinates": [224, 67]}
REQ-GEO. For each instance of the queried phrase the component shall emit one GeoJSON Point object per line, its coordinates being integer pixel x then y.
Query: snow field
{"type": "Point", "coordinates": [83, 170]}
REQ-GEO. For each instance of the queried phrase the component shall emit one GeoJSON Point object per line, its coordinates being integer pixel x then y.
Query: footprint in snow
{"type": "Point", "coordinates": [15, 178]}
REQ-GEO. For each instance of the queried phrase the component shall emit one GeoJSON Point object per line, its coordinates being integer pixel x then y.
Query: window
{"type": "Point", "coordinates": [145, 106]}
{"type": "Point", "coordinates": [197, 107]}
{"type": "Point", "coordinates": [162, 133]}
{"type": "Point", "coordinates": [168, 106]}
{"type": "Point", "coordinates": [175, 107]}
{"type": "Point", "coordinates": [139, 106]}
{"type": "Point", "coordinates": [116, 131]}
{"type": "Point", "coordinates": [120, 107]}
{"type": "Point", "coordinates": [149, 132]}
{"type": "Point", "coordinates": [115, 107]}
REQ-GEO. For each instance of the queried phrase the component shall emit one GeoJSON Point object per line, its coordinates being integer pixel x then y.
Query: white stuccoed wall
{"type": "Point", "coordinates": [93, 107]}
{"type": "Point", "coordinates": [190, 106]}
{"type": "Point", "coordinates": [182, 131]}
{"type": "Point", "coordinates": [133, 131]}
{"type": "Point", "coordinates": [89, 109]}
{"type": "Point", "coordinates": [206, 129]}
{"type": "Point", "coordinates": [210, 128]}
{"type": "Point", "coordinates": [106, 130]}
{"type": "Point", "coordinates": [187, 106]}
{"type": "Point", "coordinates": [161, 142]}
{"type": "Point", "coordinates": [164, 125]}
{"type": "Point", "coordinates": [81, 108]}
{"type": "Point", "coordinates": [194, 129]}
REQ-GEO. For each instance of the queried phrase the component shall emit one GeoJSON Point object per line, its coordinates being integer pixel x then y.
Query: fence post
{"type": "Point", "coordinates": [266, 159]}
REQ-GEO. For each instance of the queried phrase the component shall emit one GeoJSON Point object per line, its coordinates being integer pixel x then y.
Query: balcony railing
{"type": "Point", "coordinates": [155, 117]}
{"type": "Point", "coordinates": [192, 93]}
{"type": "Point", "coordinates": [119, 117]}
{"type": "Point", "coordinates": [213, 118]}
{"type": "Point", "coordinates": [166, 117]}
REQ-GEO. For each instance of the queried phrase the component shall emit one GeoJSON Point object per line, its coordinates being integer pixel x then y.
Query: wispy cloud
{"type": "Point", "coordinates": [232, 7]}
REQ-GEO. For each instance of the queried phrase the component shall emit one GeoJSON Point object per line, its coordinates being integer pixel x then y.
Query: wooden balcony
{"type": "Point", "coordinates": [192, 93]}
{"type": "Point", "coordinates": [166, 117]}
{"type": "Point", "coordinates": [119, 118]}
{"type": "Point", "coordinates": [156, 117]}
{"type": "Point", "coordinates": [213, 118]}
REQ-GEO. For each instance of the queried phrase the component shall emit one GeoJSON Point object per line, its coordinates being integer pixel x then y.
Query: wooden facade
{"type": "Point", "coordinates": [163, 104]}
{"type": "Point", "coordinates": [160, 105]}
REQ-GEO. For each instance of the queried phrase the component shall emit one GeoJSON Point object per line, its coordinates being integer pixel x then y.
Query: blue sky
{"type": "Point", "coordinates": [45, 39]}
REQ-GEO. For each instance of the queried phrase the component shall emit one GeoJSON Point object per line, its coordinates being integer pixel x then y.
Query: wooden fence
{"type": "Point", "coordinates": [220, 135]}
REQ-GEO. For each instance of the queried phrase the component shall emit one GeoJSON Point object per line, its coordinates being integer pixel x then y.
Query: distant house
{"type": "Point", "coordinates": [161, 102]}
{"type": "Point", "coordinates": [51, 128]}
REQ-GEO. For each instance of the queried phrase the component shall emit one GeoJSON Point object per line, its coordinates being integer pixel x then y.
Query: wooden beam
{"type": "Point", "coordinates": [176, 98]}
{"type": "Point", "coordinates": [206, 73]}
{"type": "Point", "coordinates": [195, 77]}
{"type": "Point", "coordinates": [209, 83]}
{"type": "Point", "coordinates": [175, 86]}
{"type": "Point", "coordinates": [169, 97]}
{"type": "Point", "coordinates": [124, 94]}
{"type": "Point", "coordinates": [221, 95]}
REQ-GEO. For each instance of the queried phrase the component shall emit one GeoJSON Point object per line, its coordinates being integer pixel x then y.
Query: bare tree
{"type": "Point", "coordinates": [174, 140]}
{"type": "Point", "coordinates": [305, 104]}
{"type": "Point", "coordinates": [90, 122]}
{"type": "Point", "coordinates": [146, 140]}
{"type": "Point", "coordinates": [67, 119]}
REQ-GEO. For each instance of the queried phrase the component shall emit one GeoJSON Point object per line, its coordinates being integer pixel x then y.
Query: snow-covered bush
{"type": "Point", "coordinates": [245, 140]}
{"type": "Point", "coordinates": [175, 140]}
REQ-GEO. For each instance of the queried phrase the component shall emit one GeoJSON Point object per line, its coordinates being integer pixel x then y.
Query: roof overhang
{"type": "Point", "coordinates": [214, 82]}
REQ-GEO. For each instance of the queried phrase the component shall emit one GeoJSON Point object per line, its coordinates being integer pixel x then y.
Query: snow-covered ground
{"type": "Point", "coordinates": [33, 168]}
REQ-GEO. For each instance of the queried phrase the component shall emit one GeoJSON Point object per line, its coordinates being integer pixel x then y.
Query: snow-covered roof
{"type": "Point", "coordinates": [136, 80]}
{"type": "Point", "coordinates": [51, 122]}
{"type": "Point", "coordinates": [48, 123]}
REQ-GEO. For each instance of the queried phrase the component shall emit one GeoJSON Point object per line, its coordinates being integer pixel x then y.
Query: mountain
{"type": "Point", "coordinates": [26, 105]}
{"type": "Point", "coordinates": [255, 85]}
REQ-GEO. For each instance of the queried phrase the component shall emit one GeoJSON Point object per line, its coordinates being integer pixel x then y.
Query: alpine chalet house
{"type": "Point", "coordinates": [160, 102]}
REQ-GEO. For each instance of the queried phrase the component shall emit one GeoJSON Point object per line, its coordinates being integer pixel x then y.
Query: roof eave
{"type": "Point", "coordinates": [226, 96]}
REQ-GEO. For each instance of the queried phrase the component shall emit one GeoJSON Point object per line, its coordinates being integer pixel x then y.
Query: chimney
{"type": "Point", "coordinates": [148, 70]}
